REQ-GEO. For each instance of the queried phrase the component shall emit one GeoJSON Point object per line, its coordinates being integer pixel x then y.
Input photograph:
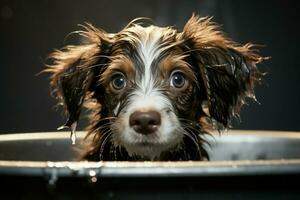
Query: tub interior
{"type": "Point", "coordinates": [231, 145]}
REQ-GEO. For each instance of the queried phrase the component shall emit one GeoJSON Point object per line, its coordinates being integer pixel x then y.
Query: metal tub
{"type": "Point", "coordinates": [244, 165]}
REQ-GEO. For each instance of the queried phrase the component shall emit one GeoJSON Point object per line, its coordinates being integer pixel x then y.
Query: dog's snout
{"type": "Point", "coordinates": [145, 122]}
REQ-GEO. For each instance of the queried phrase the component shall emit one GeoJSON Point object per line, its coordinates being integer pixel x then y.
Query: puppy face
{"type": "Point", "coordinates": [151, 85]}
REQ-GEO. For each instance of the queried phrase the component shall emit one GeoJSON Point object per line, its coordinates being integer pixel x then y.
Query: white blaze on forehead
{"type": "Point", "coordinates": [149, 48]}
{"type": "Point", "coordinates": [150, 43]}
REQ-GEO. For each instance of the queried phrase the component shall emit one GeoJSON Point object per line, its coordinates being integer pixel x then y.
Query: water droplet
{"type": "Point", "coordinates": [93, 173]}
{"type": "Point", "coordinates": [53, 178]}
{"type": "Point", "coordinates": [73, 132]}
{"type": "Point", "coordinates": [94, 179]}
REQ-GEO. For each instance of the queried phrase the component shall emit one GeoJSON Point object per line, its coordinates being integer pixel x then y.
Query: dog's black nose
{"type": "Point", "coordinates": [145, 122]}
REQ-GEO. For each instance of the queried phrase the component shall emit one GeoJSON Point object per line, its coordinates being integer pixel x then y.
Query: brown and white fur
{"type": "Point", "coordinates": [153, 91]}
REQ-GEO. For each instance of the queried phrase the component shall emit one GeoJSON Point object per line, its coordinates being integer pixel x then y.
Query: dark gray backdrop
{"type": "Point", "coordinates": [29, 30]}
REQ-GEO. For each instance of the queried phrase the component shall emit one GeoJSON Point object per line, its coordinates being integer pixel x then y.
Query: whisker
{"type": "Point", "coordinates": [193, 131]}
{"type": "Point", "coordinates": [104, 126]}
{"type": "Point", "coordinates": [106, 118]}
{"type": "Point", "coordinates": [195, 142]}
{"type": "Point", "coordinates": [103, 143]}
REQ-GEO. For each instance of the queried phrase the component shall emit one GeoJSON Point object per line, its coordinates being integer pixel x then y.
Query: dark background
{"type": "Point", "coordinates": [29, 30]}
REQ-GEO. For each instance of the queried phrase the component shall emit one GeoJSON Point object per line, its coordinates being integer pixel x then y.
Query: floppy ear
{"type": "Point", "coordinates": [74, 71]}
{"type": "Point", "coordinates": [228, 70]}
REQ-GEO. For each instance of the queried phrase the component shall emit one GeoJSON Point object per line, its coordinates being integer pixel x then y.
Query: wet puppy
{"type": "Point", "coordinates": [153, 92]}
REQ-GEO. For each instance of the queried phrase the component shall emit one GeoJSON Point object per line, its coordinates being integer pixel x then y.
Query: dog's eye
{"type": "Point", "coordinates": [118, 81]}
{"type": "Point", "coordinates": [178, 80]}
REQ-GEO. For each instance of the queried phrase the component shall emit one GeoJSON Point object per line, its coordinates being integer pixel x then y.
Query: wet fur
{"type": "Point", "coordinates": [223, 74]}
